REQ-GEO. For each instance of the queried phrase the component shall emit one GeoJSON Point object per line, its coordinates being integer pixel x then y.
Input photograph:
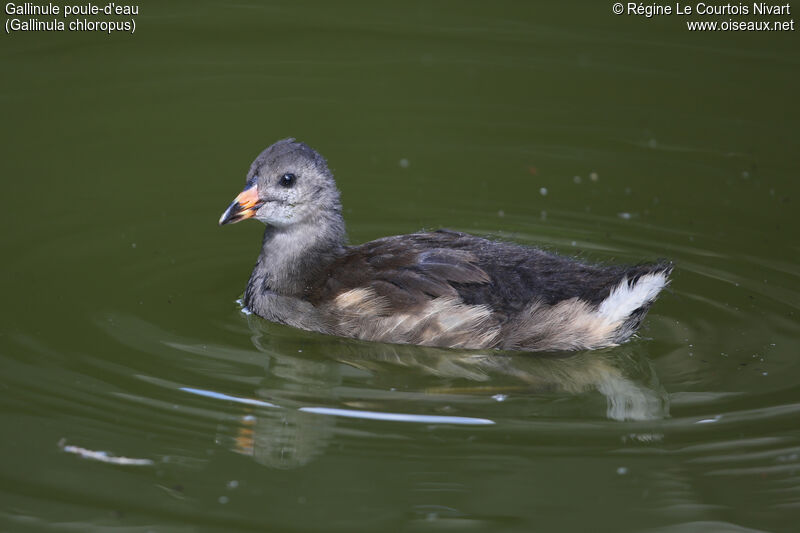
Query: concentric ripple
{"type": "Point", "coordinates": [143, 391]}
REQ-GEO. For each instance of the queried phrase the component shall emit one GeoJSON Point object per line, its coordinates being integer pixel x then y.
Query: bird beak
{"type": "Point", "coordinates": [245, 206]}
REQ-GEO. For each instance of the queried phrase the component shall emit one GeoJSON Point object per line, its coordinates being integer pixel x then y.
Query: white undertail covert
{"type": "Point", "coordinates": [625, 298]}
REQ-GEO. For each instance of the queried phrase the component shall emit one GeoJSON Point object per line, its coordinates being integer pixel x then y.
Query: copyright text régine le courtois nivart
{"type": "Point", "coordinates": [105, 18]}
{"type": "Point", "coordinates": [713, 17]}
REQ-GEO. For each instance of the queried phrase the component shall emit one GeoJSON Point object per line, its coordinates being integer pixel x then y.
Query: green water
{"type": "Point", "coordinates": [120, 332]}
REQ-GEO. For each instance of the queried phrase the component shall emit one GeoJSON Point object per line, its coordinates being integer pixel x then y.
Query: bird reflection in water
{"type": "Point", "coordinates": [285, 437]}
{"type": "Point", "coordinates": [400, 377]}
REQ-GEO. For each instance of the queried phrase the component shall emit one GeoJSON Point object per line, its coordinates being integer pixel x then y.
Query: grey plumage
{"type": "Point", "coordinates": [442, 288]}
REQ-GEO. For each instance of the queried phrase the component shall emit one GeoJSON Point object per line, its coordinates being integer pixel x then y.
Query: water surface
{"type": "Point", "coordinates": [137, 395]}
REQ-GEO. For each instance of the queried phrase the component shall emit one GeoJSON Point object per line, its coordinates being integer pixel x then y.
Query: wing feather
{"type": "Point", "coordinates": [406, 271]}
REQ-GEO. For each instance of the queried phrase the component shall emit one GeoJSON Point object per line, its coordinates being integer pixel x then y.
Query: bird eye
{"type": "Point", "coordinates": [287, 180]}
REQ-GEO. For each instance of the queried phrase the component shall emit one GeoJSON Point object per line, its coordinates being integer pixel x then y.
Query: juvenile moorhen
{"type": "Point", "coordinates": [440, 288]}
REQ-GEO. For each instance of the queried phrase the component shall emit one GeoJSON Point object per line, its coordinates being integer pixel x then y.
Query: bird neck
{"type": "Point", "coordinates": [292, 257]}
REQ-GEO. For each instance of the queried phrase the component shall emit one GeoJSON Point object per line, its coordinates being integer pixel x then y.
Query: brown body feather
{"type": "Point", "coordinates": [445, 289]}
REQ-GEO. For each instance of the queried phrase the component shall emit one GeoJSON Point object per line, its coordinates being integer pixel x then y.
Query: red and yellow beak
{"type": "Point", "coordinates": [245, 206]}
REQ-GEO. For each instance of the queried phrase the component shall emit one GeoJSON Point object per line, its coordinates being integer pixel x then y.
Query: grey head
{"type": "Point", "coordinates": [288, 184]}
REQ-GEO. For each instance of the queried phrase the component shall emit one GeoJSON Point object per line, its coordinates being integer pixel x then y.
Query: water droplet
{"type": "Point", "coordinates": [500, 397]}
{"type": "Point", "coordinates": [403, 163]}
{"type": "Point", "coordinates": [577, 179]}
{"type": "Point", "coordinates": [593, 176]}
{"type": "Point", "coordinates": [543, 191]}
{"type": "Point", "coordinates": [223, 500]}
{"type": "Point", "coordinates": [232, 484]}
{"type": "Point", "coordinates": [622, 470]}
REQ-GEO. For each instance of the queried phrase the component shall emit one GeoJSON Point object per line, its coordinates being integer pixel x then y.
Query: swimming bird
{"type": "Point", "coordinates": [441, 288]}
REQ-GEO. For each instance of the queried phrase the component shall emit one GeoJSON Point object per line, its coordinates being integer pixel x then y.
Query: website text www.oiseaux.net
{"type": "Point", "coordinates": [737, 25]}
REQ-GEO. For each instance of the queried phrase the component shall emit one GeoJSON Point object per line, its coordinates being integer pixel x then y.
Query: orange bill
{"type": "Point", "coordinates": [245, 206]}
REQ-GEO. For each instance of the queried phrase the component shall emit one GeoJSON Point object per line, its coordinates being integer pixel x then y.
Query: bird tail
{"type": "Point", "coordinates": [576, 324]}
{"type": "Point", "coordinates": [629, 301]}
